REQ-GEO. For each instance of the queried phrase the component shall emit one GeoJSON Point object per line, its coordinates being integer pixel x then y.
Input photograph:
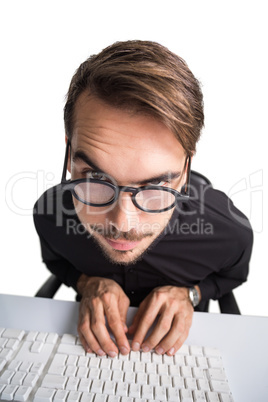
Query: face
{"type": "Point", "coordinates": [129, 150]}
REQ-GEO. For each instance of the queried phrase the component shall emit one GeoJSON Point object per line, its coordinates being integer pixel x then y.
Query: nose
{"type": "Point", "coordinates": [125, 216]}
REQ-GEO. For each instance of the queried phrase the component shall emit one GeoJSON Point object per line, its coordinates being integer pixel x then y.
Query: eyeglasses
{"type": "Point", "coordinates": [100, 193]}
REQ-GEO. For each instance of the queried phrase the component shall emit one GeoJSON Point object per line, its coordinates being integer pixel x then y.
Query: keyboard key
{"type": "Point", "coordinates": [36, 347]}
{"type": "Point", "coordinates": [5, 354]}
{"type": "Point", "coordinates": [129, 377]}
{"type": "Point", "coordinates": [219, 386]}
{"type": "Point", "coordinates": [96, 386]}
{"type": "Point", "coordinates": [109, 387]}
{"type": "Point", "coordinates": [8, 392]}
{"type": "Point", "coordinates": [36, 368]}
{"type": "Point", "coordinates": [84, 384]}
{"type": "Point", "coordinates": [54, 381]}
{"type": "Point", "coordinates": [69, 339]}
{"type": "Point", "coordinates": [73, 396]}
{"type": "Point", "coordinates": [14, 365]}
{"type": "Point", "coordinates": [105, 374]}
{"type": "Point", "coordinates": [160, 393]}
{"type": "Point", "coordinates": [215, 362]}
{"type": "Point", "coordinates": [44, 395]}
{"type": "Point", "coordinates": [13, 333]}
{"type": "Point", "coordinates": [226, 398]}
{"type": "Point", "coordinates": [6, 377]}
{"type": "Point", "coordinates": [141, 378]}
{"type": "Point", "coordinates": [41, 336]}
{"type": "Point", "coordinates": [211, 352]}
{"type": "Point", "coordinates": [100, 398]}
{"type": "Point", "coordinates": [147, 391]}
{"type": "Point", "coordinates": [173, 395]}
{"type": "Point", "coordinates": [60, 396]}
{"type": "Point", "coordinates": [22, 393]}
{"type": "Point", "coordinates": [72, 383]}
{"type": "Point", "coordinates": [121, 389]}
{"type": "Point", "coordinates": [12, 344]}
{"type": "Point", "coordinates": [216, 374]}
{"type": "Point", "coordinates": [196, 350]}
{"type": "Point", "coordinates": [87, 397]}
{"type": "Point", "coordinates": [31, 336]}
{"type": "Point", "coordinates": [82, 372]}
{"type": "Point", "coordinates": [18, 378]}
{"type": "Point", "coordinates": [26, 366]}
{"type": "Point", "coordinates": [70, 349]}
{"type": "Point", "coordinates": [212, 397]}
{"type": "Point", "coordinates": [186, 395]}
{"type": "Point", "coordinates": [135, 390]}
{"type": "Point", "coordinates": [112, 398]}
{"type": "Point", "coordinates": [199, 396]}
{"type": "Point", "coordinates": [30, 380]}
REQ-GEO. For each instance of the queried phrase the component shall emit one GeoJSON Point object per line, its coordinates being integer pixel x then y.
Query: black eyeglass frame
{"type": "Point", "coordinates": [179, 196]}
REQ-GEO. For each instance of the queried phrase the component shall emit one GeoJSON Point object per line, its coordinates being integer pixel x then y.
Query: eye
{"type": "Point", "coordinates": [91, 174]}
{"type": "Point", "coordinates": [158, 183]}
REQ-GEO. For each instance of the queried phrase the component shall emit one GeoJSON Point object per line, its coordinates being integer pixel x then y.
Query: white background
{"type": "Point", "coordinates": [42, 44]}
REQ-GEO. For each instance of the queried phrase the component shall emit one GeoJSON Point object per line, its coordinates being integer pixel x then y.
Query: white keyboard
{"type": "Point", "coordinates": [46, 367]}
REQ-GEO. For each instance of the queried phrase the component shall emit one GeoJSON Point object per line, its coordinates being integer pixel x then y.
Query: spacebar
{"type": "Point", "coordinates": [71, 349]}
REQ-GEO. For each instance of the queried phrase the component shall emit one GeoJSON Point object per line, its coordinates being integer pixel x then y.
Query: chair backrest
{"type": "Point", "coordinates": [198, 178]}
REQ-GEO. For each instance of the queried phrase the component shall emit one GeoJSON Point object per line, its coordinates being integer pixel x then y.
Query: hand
{"type": "Point", "coordinates": [175, 312]}
{"type": "Point", "coordinates": [102, 298]}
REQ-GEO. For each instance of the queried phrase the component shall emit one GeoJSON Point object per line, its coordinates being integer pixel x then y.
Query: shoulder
{"type": "Point", "coordinates": [210, 211]}
{"type": "Point", "coordinates": [53, 208]}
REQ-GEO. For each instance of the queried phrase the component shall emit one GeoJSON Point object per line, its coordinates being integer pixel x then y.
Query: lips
{"type": "Point", "coordinates": [122, 245]}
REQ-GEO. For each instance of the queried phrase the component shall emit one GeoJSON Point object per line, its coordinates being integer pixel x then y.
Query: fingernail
{"type": "Point", "coordinates": [112, 353]}
{"type": "Point", "coordinates": [100, 352]}
{"type": "Point", "coordinates": [171, 351]}
{"type": "Point", "coordinates": [136, 346]}
{"type": "Point", "coordinates": [160, 351]}
{"type": "Point", "coordinates": [124, 350]}
{"type": "Point", "coordinates": [145, 348]}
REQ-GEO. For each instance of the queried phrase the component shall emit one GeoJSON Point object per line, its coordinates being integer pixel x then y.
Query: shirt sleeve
{"type": "Point", "coordinates": [59, 266]}
{"type": "Point", "coordinates": [228, 278]}
{"type": "Point", "coordinates": [235, 244]}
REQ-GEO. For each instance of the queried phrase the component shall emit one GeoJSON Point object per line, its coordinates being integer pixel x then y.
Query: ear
{"type": "Point", "coordinates": [69, 156]}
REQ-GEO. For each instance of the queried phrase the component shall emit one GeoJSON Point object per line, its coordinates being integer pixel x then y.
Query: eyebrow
{"type": "Point", "coordinates": [80, 155]}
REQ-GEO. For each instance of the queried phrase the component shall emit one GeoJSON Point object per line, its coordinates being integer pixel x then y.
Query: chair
{"type": "Point", "coordinates": [227, 302]}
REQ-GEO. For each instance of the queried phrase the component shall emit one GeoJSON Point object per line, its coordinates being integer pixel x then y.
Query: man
{"type": "Point", "coordinates": [129, 228]}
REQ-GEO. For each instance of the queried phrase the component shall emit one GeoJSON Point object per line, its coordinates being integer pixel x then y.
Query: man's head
{"type": "Point", "coordinates": [133, 116]}
{"type": "Point", "coordinates": [142, 77]}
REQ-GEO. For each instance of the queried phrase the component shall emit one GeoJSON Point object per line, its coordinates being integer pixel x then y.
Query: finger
{"type": "Point", "coordinates": [133, 327]}
{"type": "Point", "coordinates": [86, 336]}
{"type": "Point", "coordinates": [123, 309]}
{"type": "Point", "coordinates": [146, 319]}
{"type": "Point", "coordinates": [117, 326]}
{"type": "Point", "coordinates": [176, 336]}
{"type": "Point", "coordinates": [161, 329]}
{"type": "Point", "coordinates": [99, 329]}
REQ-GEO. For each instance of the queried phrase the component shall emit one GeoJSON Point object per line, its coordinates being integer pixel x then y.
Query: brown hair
{"type": "Point", "coordinates": [144, 77]}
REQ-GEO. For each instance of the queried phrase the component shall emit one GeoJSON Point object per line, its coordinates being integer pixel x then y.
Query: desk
{"type": "Point", "coordinates": [242, 340]}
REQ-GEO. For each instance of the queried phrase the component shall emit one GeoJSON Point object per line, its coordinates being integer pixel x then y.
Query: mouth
{"type": "Point", "coordinates": [122, 245]}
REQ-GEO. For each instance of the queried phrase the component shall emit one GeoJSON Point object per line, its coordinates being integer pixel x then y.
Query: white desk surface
{"type": "Point", "coordinates": [243, 340]}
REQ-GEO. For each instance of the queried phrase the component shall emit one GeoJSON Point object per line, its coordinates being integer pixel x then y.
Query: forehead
{"type": "Point", "coordinates": [122, 143]}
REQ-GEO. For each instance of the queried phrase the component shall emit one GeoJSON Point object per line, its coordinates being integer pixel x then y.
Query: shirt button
{"type": "Point", "coordinates": [132, 292]}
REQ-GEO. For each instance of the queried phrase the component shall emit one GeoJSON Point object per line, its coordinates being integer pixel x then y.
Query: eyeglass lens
{"type": "Point", "coordinates": [99, 194]}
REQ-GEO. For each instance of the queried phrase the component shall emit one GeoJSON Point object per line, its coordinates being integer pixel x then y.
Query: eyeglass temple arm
{"type": "Point", "coordinates": [63, 177]}
{"type": "Point", "coordinates": [188, 174]}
